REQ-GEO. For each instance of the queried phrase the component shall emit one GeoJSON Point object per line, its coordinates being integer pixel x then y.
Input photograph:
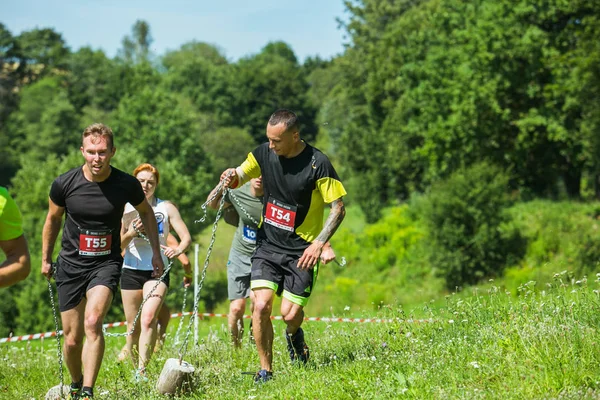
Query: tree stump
{"type": "Point", "coordinates": [54, 393]}
{"type": "Point", "coordinates": [175, 378]}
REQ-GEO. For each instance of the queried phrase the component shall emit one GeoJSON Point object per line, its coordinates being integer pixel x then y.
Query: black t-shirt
{"type": "Point", "coordinates": [295, 193]}
{"type": "Point", "coordinates": [91, 233]}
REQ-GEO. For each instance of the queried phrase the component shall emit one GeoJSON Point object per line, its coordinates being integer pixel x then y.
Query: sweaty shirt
{"type": "Point", "coordinates": [91, 233]}
{"type": "Point", "coordinates": [244, 240]}
{"type": "Point", "coordinates": [295, 193]}
{"type": "Point", "coordinates": [11, 222]}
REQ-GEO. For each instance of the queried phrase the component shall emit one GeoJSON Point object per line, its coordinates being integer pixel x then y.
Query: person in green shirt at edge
{"type": "Point", "coordinates": [17, 265]}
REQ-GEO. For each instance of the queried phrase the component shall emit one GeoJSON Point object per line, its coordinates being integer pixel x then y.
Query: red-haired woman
{"type": "Point", "coordinates": [138, 278]}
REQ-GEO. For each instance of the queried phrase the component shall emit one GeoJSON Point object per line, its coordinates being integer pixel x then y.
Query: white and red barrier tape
{"type": "Point", "coordinates": [35, 336]}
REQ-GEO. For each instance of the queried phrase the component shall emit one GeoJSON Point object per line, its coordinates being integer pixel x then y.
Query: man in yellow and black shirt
{"type": "Point", "coordinates": [298, 180]}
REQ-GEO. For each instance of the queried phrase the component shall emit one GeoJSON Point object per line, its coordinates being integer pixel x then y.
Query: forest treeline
{"type": "Point", "coordinates": [424, 90]}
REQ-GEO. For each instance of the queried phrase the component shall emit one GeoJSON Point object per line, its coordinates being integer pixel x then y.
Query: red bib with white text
{"type": "Point", "coordinates": [280, 215]}
{"type": "Point", "coordinates": [94, 243]}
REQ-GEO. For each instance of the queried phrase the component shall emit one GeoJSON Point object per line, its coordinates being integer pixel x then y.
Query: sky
{"type": "Point", "coordinates": [239, 27]}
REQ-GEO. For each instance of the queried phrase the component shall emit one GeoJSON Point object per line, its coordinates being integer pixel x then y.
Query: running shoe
{"type": "Point", "coordinates": [75, 390]}
{"type": "Point", "coordinates": [263, 376]}
{"type": "Point", "coordinates": [297, 347]}
{"type": "Point", "coordinates": [86, 396]}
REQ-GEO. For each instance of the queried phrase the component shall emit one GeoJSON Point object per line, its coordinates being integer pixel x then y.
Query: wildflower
{"type": "Point", "coordinates": [451, 321]}
{"type": "Point", "coordinates": [347, 308]}
{"type": "Point", "coordinates": [474, 364]}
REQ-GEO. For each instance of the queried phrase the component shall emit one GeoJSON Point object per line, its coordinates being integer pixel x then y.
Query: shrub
{"type": "Point", "coordinates": [468, 230]}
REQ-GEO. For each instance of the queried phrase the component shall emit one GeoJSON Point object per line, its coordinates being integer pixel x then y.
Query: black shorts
{"type": "Point", "coordinates": [280, 272]}
{"type": "Point", "coordinates": [134, 279]}
{"type": "Point", "coordinates": [73, 282]}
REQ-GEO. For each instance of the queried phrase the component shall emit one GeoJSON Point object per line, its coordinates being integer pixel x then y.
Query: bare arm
{"type": "Point", "coordinates": [17, 265]}
{"type": "Point", "coordinates": [181, 230]}
{"type": "Point", "coordinates": [327, 255]}
{"type": "Point", "coordinates": [183, 259]}
{"type": "Point", "coordinates": [151, 230]}
{"type": "Point", "coordinates": [313, 252]}
{"type": "Point", "coordinates": [49, 235]}
{"type": "Point", "coordinates": [335, 218]}
{"type": "Point", "coordinates": [128, 233]}
{"type": "Point", "coordinates": [214, 203]}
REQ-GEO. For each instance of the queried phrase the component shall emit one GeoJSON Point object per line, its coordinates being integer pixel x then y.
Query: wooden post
{"type": "Point", "coordinates": [196, 290]}
{"type": "Point", "coordinates": [175, 378]}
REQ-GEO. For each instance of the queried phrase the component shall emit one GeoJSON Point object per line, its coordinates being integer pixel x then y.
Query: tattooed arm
{"type": "Point", "coordinates": [313, 252]}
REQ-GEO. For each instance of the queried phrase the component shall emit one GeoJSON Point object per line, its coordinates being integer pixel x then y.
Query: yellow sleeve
{"type": "Point", "coordinates": [11, 222]}
{"type": "Point", "coordinates": [331, 189]}
{"type": "Point", "coordinates": [250, 168]}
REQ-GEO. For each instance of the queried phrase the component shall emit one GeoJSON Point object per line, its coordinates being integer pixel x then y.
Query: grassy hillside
{"type": "Point", "coordinates": [481, 345]}
{"type": "Point", "coordinates": [531, 333]}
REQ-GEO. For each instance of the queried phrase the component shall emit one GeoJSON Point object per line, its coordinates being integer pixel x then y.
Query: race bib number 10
{"type": "Point", "coordinates": [94, 243]}
{"type": "Point", "coordinates": [280, 215]}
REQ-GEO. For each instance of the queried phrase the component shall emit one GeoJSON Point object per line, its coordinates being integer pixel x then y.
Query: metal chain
{"type": "Point", "coordinates": [341, 263]}
{"type": "Point", "coordinates": [237, 201]}
{"type": "Point", "coordinates": [194, 315]}
{"type": "Point", "coordinates": [218, 189]}
{"type": "Point", "coordinates": [182, 316]}
{"type": "Point", "coordinates": [58, 334]}
{"type": "Point", "coordinates": [137, 316]}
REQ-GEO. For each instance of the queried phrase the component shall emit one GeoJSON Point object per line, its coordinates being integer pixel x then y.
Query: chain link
{"type": "Point", "coordinates": [137, 316]}
{"type": "Point", "coordinates": [58, 334]}
{"type": "Point", "coordinates": [194, 315]}
{"type": "Point", "coordinates": [182, 316]}
{"type": "Point", "coordinates": [237, 201]}
{"type": "Point", "coordinates": [218, 189]}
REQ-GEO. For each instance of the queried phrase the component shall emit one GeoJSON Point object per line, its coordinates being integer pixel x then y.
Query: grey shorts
{"type": "Point", "coordinates": [238, 275]}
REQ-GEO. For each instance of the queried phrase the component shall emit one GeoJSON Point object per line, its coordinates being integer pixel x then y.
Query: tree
{"type": "Point", "coordinates": [227, 147]}
{"type": "Point", "coordinates": [467, 226]}
{"type": "Point", "coordinates": [46, 122]}
{"type": "Point", "coordinates": [136, 47]}
{"type": "Point", "coordinates": [434, 86]}
{"type": "Point", "coordinates": [43, 51]}
{"type": "Point", "coordinates": [202, 73]}
{"type": "Point", "coordinates": [91, 80]}
{"type": "Point", "coordinates": [161, 128]}
{"type": "Point", "coordinates": [268, 81]}
{"type": "Point", "coordinates": [10, 61]}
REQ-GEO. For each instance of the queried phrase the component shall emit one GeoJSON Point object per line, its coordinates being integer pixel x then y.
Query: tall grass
{"type": "Point", "coordinates": [541, 343]}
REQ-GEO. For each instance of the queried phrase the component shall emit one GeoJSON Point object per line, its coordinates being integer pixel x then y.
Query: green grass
{"type": "Point", "coordinates": [509, 338]}
{"type": "Point", "coordinates": [489, 344]}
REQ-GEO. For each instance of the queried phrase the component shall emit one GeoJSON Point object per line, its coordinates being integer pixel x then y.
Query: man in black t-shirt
{"type": "Point", "coordinates": [89, 263]}
{"type": "Point", "coordinates": [298, 180]}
